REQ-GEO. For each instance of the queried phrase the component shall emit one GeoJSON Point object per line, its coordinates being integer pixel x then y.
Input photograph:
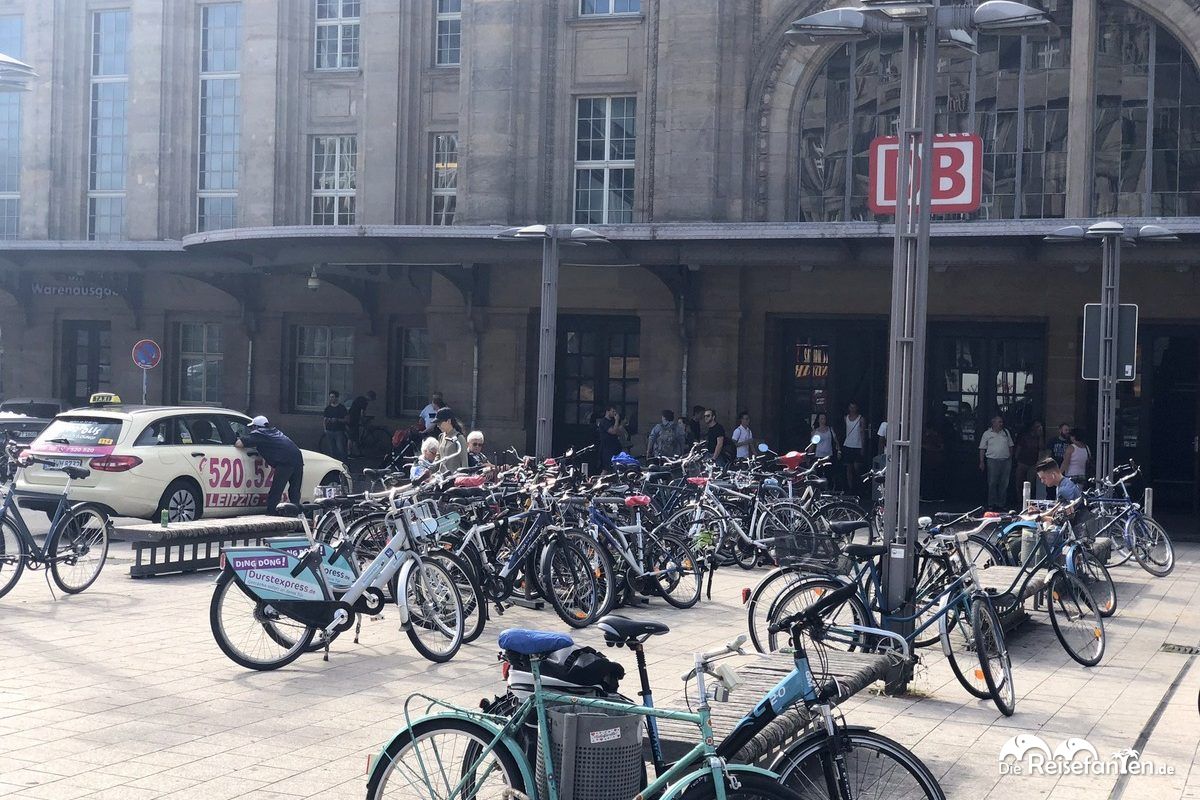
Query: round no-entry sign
{"type": "Point", "coordinates": [147, 354]}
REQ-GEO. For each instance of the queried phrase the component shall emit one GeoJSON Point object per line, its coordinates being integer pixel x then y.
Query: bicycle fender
{"type": "Point", "coordinates": [807, 739]}
{"type": "Point", "coordinates": [490, 730]}
{"type": "Point", "coordinates": [97, 507]}
{"type": "Point", "coordinates": [401, 582]}
{"type": "Point", "coordinates": [687, 780]}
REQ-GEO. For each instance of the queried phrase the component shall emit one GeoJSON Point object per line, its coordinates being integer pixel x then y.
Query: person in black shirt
{"type": "Point", "coordinates": [281, 453]}
{"type": "Point", "coordinates": [358, 409]}
{"type": "Point", "coordinates": [608, 436]}
{"type": "Point", "coordinates": [715, 438]}
{"type": "Point", "coordinates": [335, 426]}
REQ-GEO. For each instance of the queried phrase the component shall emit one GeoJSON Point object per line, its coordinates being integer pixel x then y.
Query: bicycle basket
{"type": "Point", "coordinates": [597, 754]}
{"type": "Point", "coordinates": [812, 550]}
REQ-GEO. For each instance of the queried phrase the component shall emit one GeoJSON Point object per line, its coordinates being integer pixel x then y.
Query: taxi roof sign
{"type": "Point", "coordinates": [104, 399]}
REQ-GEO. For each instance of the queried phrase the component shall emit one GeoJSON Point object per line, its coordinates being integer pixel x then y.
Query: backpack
{"type": "Point", "coordinates": [670, 441]}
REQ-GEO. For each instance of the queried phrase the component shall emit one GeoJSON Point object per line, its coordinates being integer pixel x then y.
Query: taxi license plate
{"type": "Point", "coordinates": [68, 462]}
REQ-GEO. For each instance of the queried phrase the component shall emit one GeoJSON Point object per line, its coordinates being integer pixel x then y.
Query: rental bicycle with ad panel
{"type": "Point", "coordinates": [76, 546]}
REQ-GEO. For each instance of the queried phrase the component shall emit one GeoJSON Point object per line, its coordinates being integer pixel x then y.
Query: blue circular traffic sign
{"type": "Point", "coordinates": [147, 354]}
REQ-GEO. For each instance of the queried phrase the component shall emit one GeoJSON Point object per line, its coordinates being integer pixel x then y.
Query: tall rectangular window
{"type": "Point", "coordinates": [107, 124]}
{"type": "Point", "coordinates": [599, 8]}
{"type": "Point", "coordinates": [412, 389]}
{"type": "Point", "coordinates": [220, 116]}
{"type": "Point", "coordinates": [324, 362]}
{"type": "Point", "coordinates": [10, 137]}
{"type": "Point", "coordinates": [199, 359]}
{"type": "Point", "coordinates": [337, 34]}
{"type": "Point", "coordinates": [334, 179]}
{"type": "Point", "coordinates": [445, 178]}
{"type": "Point", "coordinates": [605, 147]}
{"type": "Point", "coordinates": [449, 32]}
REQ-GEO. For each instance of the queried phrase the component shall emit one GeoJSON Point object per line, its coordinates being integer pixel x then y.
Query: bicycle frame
{"type": "Point", "coordinates": [11, 511]}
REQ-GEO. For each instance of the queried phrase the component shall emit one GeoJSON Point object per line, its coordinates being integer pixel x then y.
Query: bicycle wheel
{"type": "Point", "coordinates": [1076, 619]}
{"type": "Point", "coordinates": [837, 635]}
{"type": "Point", "coordinates": [12, 556]}
{"type": "Point", "coordinates": [768, 590]}
{"type": "Point", "coordinates": [473, 603]}
{"type": "Point", "coordinates": [739, 786]}
{"type": "Point", "coordinates": [845, 511]}
{"type": "Point", "coordinates": [250, 632]}
{"type": "Point", "coordinates": [993, 655]}
{"type": "Point", "coordinates": [933, 576]}
{"type": "Point", "coordinates": [569, 585]}
{"type": "Point", "coordinates": [874, 765]}
{"type": "Point", "coordinates": [701, 531]}
{"type": "Point", "coordinates": [676, 572]}
{"type": "Point", "coordinates": [1152, 547]}
{"type": "Point", "coordinates": [601, 563]}
{"type": "Point", "coordinates": [435, 611]}
{"type": "Point", "coordinates": [1095, 576]}
{"type": "Point", "coordinates": [784, 518]}
{"type": "Point", "coordinates": [1122, 539]}
{"type": "Point", "coordinates": [960, 646]}
{"type": "Point", "coordinates": [429, 760]}
{"type": "Point", "coordinates": [78, 548]}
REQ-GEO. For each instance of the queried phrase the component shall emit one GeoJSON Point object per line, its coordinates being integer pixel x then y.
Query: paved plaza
{"type": "Point", "coordinates": [121, 693]}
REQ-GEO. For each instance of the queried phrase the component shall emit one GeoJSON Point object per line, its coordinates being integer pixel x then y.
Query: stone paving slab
{"type": "Point", "coordinates": [120, 692]}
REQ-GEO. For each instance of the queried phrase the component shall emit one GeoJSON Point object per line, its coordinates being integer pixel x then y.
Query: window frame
{"type": "Point", "coordinates": [607, 164]}
{"type": "Point", "coordinates": [612, 12]}
{"type": "Point", "coordinates": [94, 80]}
{"type": "Point", "coordinates": [448, 18]}
{"type": "Point", "coordinates": [402, 361]}
{"type": "Point", "coordinates": [340, 23]}
{"type": "Point", "coordinates": [205, 76]}
{"type": "Point", "coordinates": [10, 224]}
{"type": "Point", "coordinates": [205, 356]}
{"type": "Point", "coordinates": [337, 194]}
{"type": "Point", "coordinates": [443, 192]}
{"type": "Point", "coordinates": [326, 361]}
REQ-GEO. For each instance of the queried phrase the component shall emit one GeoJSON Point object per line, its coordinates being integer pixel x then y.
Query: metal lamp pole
{"type": "Point", "coordinates": [1110, 307]}
{"type": "Point", "coordinates": [547, 344]}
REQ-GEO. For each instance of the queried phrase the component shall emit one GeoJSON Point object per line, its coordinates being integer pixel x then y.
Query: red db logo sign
{"type": "Point", "coordinates": [957, 173]}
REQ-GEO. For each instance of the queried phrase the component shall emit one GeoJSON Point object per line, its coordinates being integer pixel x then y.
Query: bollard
{"type": "Point", "coordinates": [1148, 502]}
{"type": "Point", "coordinates": [1026, 494]}
{"type": "Point", "coordinates": [1028, 537]}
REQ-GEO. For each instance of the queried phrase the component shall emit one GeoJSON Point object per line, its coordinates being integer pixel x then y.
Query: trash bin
{"type": "Point", "coordinates": [597, 754]}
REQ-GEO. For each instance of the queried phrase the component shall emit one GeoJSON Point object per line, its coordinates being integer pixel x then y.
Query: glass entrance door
{"type": "Point", "coordinates": [86, 360]}
{"type": "Point", "coordinates": [598, 363]}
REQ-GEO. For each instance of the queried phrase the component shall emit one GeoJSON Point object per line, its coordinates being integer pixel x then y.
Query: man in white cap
{"type": "Point", "coordinates": [281, 453]}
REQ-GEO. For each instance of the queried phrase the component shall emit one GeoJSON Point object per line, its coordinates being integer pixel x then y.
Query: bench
{"type": "Point", "coordinates": [1102, 547]}
{"type": "Point", "coordinates": [997, 580]}
{"type": "Point", "coordinates": [852, 671]}
{"type": "Point", "coordinates": [195, 545]}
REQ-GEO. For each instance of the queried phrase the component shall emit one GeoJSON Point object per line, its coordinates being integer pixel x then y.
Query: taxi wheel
{"type": "Point", "coordinates": [181, 501]}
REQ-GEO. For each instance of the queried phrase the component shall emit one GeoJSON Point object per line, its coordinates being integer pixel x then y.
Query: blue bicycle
{"type": "Point", "coordinates": [76, 546]}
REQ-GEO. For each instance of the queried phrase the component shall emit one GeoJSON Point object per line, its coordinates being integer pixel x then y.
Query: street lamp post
{"type": "Point", "coordinates": [924, 24]}
{"type": "Point", "coordinates": [551, 236]}
{"type": "Point", "coordinates": [1112, 235]}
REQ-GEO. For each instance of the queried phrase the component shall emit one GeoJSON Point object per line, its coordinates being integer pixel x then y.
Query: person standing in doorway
{"type": "Point", "coordinates": [609, 430]}
{"type": "Point", "coordinates": [828, 447]}
{"type": "Point", "coordinates": [1058, 448]}
{"type": "Point", "coordinates": [335, 427]}
{"type": "Point", "coordinates": [995, 460]}
{"type": "Point", "coordinates": [281, 454]}
{"type": "Point", "coordinates": [358, 410]}
{"type": "Point", "coordinates": [1030, 444]}
{"type": "Point", "coordinates": [1076, 457]}
{"type": "Point", "coordinates": [668, 439]}
{"type": "Point", "coordinates": [743, 437]}
{"type": "Point", "coordinates": [695, 425]}
{"type": "Point", "coordinates": [715, 439]}
{"type": "Point", "coordinates": [854, 440]}
{"type": "Point", "coordinates": [429, 412]}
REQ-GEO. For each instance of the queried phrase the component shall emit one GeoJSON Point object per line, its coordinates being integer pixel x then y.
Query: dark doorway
{"type": "Point", "coordinates": [86, 360]}
{"type": "Point", "coordinates": [974, 372]}
{"type": "Point", "coordinates": [598, 363]}
{"type": "Point", "coordinates": [827, 364]}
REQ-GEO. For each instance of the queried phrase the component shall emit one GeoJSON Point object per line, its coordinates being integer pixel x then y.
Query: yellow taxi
{"type": "Point", "coordinates": [144, 459]}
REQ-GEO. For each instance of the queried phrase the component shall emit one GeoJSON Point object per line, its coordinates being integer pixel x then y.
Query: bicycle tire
{"type": "Point", "coordinates": [1098, 580]}
{"type": "Point", "coordinates": [782, 518]}
{"type": "Point", "coordinates": [844, 511]}
{"type": "Point", "coordinates": [1149, 538]}
{"type": "Point", "coordinates": [78, 547]}
{"type": "Point", "coordinates": [392, 777]}
{"type": "Point", "coordinates": [671, 556]}
{"type": "Point", "coordinates": [474, 604]}
{"type": "Point", "coordinates": [993, 655]}
{"type": "Point", "coordinates": [758, 605]}
{"type": "Point", "coordinates": [739, 786]}
{"type": "Point", "coordinates": [933, 576]}
{"type": "Point", "coordinates": [13, 555]}
{"type": "Point", "coordinates": [1075, 618]}
{"type": "Point", "coordinates": [568, 583]}
{"type": "Point", "coordinates": [802, 767]}
{"type": "Point", "coordinates": [434, 606]}
{"type": "Point", "coordinates": [1122, 550]}
{"type": "Point", "coordinates": [293, 646]}
{"type": "Point", "coordinates": [809, 591]}
{"type": "Point", "coordinates": [603, 569]}
{"type": "Point", "coordinates": [960, 647]}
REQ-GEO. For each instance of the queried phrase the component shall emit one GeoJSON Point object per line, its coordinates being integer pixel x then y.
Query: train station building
{"type": "Point", "coordinates": [294, 196]}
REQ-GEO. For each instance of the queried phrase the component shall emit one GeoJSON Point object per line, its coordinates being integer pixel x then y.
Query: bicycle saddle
{"type": "Point", "coordinates": [336, 502]}
{"type": "Point", "coordinates": [619, 630]}
{"type": "Point", "coordinates": [528, 642]}
{"type": "Point", "coordinates": [847, 527]}
{"type": "Point", "coordinates": [75, 473]}
{"type": "Point", "coordinates": [309, 508]}
{"type": "Point", "coordinates": [287, 510]}
{"type": "Point", "coordinates": [637, 501]}
{"type": "Point", "coordinates": [862, 552]}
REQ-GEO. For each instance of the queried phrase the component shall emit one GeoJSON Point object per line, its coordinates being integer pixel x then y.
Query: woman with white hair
{"type": "Point", "coordinates": [429, 455]}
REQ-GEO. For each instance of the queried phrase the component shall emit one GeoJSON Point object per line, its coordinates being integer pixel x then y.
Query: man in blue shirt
{"type": "Point", "coordinates": [281, 453]}
{"type": "Point", "coordinates": [1051, 476]}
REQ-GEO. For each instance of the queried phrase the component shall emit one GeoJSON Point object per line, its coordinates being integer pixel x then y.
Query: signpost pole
{"type": "Point", "coordinates": [145, 384]}
{"type": "Point", "coordinates": [1110, 308]}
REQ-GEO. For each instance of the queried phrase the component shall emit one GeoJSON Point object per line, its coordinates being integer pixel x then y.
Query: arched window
{"type": "Point", "coordinates": [1014, 93]}
{"type": "Point", "coordinates": [1147, 104]}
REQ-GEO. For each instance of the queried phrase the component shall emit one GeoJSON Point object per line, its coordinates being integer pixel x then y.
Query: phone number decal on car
{"type": "Point", "coordinates": [230, 473]}
{"type": "Point", "coordinates": [215, 500]}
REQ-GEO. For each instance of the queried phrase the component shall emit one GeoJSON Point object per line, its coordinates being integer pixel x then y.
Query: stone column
{"type": "Point", "coordinates": [1082, 109]}
{"type": "Point", "coordinates": [144, 114]}
{"type": "Point", "coordinates": [261, 38]}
